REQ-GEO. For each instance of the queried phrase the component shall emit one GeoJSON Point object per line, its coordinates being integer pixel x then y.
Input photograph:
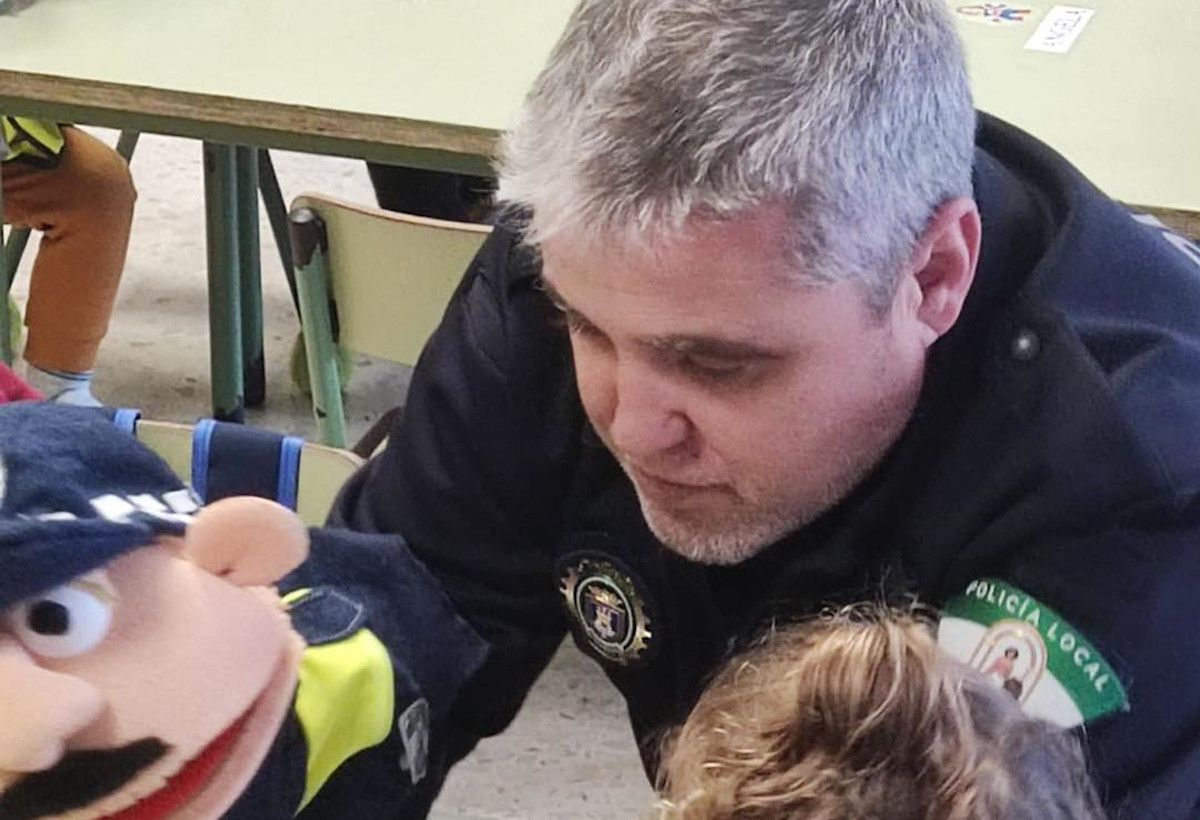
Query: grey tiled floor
{"type": "Point", "coordinates": [570, 753]}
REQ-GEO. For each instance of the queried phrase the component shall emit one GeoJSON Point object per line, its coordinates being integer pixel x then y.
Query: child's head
{"type": "Point", "coordinates": [858, 715]}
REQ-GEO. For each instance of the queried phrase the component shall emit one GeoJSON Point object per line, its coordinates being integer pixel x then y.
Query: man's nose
{"type": "Point", "coordinates": [40, 710]}
{"type": "Point", "coordinates": [648, 419]}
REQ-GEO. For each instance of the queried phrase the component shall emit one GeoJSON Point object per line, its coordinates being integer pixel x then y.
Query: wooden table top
{"type": "Point", "coordinates": [371, 78]}
{"type": "Point", "coordinates": [433, 82]}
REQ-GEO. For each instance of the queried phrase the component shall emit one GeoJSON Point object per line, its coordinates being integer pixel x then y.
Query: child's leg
{"type": "Point", "coordinates": [84, 207]}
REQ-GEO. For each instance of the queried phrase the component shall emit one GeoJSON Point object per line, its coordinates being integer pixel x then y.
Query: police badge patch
{"type": "Point", "coordinates": [1029, 651]}
{"type": "Point", "coordinates": [606, 608]}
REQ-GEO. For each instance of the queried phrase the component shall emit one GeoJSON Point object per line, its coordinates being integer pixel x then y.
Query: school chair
{"type": "Point", "coordinates": [220, 459]}
{"type": "Point", "coordinates": [370, 282]}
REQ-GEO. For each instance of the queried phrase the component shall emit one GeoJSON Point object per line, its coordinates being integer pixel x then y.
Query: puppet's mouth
{"type": "Point", "coordinates": [210, 781]}
{"type": "Point", "coordinates": [182, 786]}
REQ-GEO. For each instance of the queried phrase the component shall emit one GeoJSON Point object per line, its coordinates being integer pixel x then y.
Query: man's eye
{"type": "Point", "coordinates": [66, 621]}
{"type": "Point", "coordinates": [710, 369]}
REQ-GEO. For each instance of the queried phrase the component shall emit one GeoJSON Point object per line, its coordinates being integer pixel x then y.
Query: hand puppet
{"type": "Point", "coordinates": [148, 669]}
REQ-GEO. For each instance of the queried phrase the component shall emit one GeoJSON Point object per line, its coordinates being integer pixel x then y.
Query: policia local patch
{"type": "Point", "coordinates": [1028, 650]}
{"type": "Point", "coordinates": [606, 607]}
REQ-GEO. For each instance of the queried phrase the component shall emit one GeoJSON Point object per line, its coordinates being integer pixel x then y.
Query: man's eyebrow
{"type": "Point", "coordinates": [681, 345]}
{"type": "Point", "coordinates": [712, 347]}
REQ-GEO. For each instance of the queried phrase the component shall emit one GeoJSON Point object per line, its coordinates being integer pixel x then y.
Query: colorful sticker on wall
{"type": "Point", "coordinates": [1059, 29]}
{"type": "Point", "coordinates": [997, 14]}
{"type": "Point", "coordinates": [1028, 650]}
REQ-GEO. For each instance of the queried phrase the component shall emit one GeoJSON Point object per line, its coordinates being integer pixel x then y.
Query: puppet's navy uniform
{"type": "Point", "coordinates": [1054, 454]}
{"type": "Point", "coordinates": [357, 738]}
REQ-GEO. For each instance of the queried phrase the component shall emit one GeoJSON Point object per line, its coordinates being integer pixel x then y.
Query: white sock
{"type": "Point", "coordinates": [62, 387]}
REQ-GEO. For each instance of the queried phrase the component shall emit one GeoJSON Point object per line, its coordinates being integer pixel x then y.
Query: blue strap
{"type": "Point", "coordinates": [201, 439]}
{"type": "Point", "coordinates": [126, 419]}
{"type": "Point", "coordinates": [289, 471]}
{"type": "Point", "coordinates": [235, 459]}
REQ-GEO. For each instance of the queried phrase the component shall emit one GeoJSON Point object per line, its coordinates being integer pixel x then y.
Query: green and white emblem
{"type": "Point", "coordinates": [1028, 650]}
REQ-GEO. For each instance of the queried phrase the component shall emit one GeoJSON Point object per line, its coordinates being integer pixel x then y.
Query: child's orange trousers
{"type": "Point", "coordinates": [84, 209]}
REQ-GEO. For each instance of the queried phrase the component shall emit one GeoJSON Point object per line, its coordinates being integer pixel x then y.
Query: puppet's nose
{"type": "Point", "coordinates": [247, 541]}
{"type": "Point", "coordinates": [40, 710]}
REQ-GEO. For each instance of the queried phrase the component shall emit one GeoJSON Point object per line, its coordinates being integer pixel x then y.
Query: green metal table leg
{"type": "Point", "coordinates": [250, 287]}
{"type": "Point", "coordinates": [10, 260]}
{"type": "Point", "coordinates": [272, 196]}
{"type": "Point", "coordinates": [224, 302]}
{"type": "Point", "coordinates": [126, 143]}
{"type": "Point", "coordinates": [6, 353]}
{"type": "Point", "coordinates": [14, 249]}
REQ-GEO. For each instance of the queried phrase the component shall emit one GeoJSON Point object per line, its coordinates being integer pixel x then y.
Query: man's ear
{"type": "Point", "coordinates": [246, 541]}
{"type": "Point", "coordinates": [943, 265]}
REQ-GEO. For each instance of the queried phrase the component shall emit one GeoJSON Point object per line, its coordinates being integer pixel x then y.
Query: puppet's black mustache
{"type": "Point", "coordinates": [79, 779]}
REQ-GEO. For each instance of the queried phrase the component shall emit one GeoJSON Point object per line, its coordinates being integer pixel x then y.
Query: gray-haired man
{"type": "Point", "coordinates": [823, 338]}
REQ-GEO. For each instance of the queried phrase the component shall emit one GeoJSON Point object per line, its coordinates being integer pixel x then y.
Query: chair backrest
{"type": "Point", "coordinates": [391, 275]}
{"type": "Point", "coordinates": [323, 470]}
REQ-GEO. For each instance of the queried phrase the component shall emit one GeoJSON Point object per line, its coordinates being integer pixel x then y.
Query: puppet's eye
{"type": "Point", "coordinates": [64, 622]}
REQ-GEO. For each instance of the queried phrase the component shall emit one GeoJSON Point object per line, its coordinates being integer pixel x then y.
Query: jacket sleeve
{"type": "Point", "coordinates": [473, 476]}
{"type": "Point", "coordinates": [1130, 587]}
{"type": "Point", "coordinates": [386, 652]}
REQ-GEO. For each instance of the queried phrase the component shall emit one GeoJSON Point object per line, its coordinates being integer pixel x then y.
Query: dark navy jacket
{"type": "Point", "coordinates": [1056, 446]}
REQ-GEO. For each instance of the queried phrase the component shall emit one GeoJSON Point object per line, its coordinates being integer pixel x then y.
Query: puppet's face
{"type": "Point", "coordinates": [155, 685]}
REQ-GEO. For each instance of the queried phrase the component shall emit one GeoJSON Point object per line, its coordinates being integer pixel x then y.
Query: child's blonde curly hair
{"type": "Point", "coordinates": [859, 715]}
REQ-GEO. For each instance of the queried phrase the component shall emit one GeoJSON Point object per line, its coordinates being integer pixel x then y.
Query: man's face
{"type": "Point", "coordinates": [740, 402]}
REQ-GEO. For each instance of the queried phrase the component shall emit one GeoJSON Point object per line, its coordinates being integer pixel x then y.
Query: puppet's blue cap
{"type": "Point", "coordinates": [76, 492]}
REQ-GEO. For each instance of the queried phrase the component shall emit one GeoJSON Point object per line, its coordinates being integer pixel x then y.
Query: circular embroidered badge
{"type": "Point", "coordinates": [606, 606]}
